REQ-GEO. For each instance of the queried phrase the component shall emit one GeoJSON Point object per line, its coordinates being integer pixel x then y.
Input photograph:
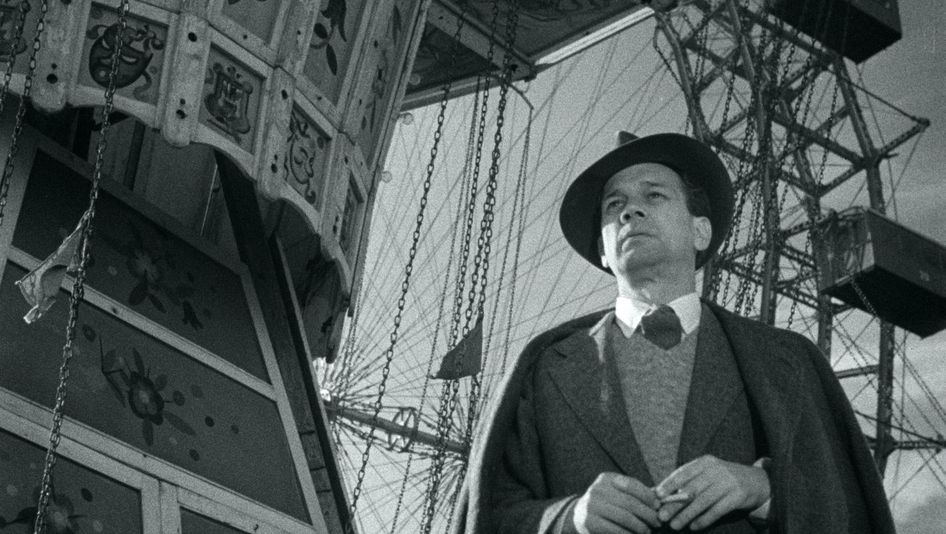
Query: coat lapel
{"type": "Point", "coordinates": [714, 386]}
{"type": "Point", "coordinates": [771, 382]}
{"type": "Point", "coordinates": [590, 386]}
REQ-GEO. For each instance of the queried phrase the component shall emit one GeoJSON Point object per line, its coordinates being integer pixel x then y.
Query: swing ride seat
{"type": "Point", "coordinates": [900, 273]}
{"type": "Point", "coordinates": [856, 29]}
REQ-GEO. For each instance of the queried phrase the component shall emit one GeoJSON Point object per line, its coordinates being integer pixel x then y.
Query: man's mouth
{"type": "Point", "coordinates": [633, 234]}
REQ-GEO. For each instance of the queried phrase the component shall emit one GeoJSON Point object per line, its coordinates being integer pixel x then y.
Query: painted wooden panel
{"type": "Point", "coordinates": [332, 45]}
{"type": "Point", "coordinates": [81, 500]}
{"type": "Point", "coordinates": [542, 25]}
{"type": "Point", "coordinates": [439, 59]}
{"type": "Point", "coordinates": [144, 42]}
{"type": "Point", "coordinates": [140, 264]}
{"type": "Point", "coordinates": [194, 523]}
{"type": "Point", "coordinates": [351, 219]}
{"type": "Point", "coordinates": [231, 99]}
{"type": "Point", "coordinates": [150, 395]}
{"type": "Point", "coordinates": [8, 15]}
{"type": "Point", "coordinates": [256, 16]}
{"type": "Point", "coordinates": [379, 72]}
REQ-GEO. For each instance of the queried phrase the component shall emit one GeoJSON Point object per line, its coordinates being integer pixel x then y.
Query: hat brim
{"type": "Point", "coordinates": [580, 217]}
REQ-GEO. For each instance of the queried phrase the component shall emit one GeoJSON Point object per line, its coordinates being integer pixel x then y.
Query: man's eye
{"type": "Point", "coordinates": [654, 195]}
{"type": "Point", "coordinates": [612, 204]}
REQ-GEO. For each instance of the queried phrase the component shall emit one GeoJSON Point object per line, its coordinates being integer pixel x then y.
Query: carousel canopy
{"type": "Point", "coordinates": [546, 33]}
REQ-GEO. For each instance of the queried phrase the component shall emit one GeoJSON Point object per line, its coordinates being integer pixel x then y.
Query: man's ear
{"type": "Point", "coordinates": [604, 260]}
{"type": "Point", "coordinates": [702, 233]}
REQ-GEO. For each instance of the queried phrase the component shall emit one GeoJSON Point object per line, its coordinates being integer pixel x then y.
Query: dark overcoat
{"type": "Point", "coordinates": [823, 476]}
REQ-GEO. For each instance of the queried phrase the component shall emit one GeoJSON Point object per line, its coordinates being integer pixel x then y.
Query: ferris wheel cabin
{"type": "Point", "coordinates": [856, 29]}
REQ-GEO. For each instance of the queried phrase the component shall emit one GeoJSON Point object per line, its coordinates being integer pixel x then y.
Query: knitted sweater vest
{"type": "Point", "coordinates": [657, 385]}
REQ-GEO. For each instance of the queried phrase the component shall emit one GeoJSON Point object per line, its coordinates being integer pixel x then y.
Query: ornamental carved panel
{"type": "Point", "coordinates": [305, 157]}
{"type": "Point", "coordinates": [141, 60]}
{"type": "Point", "coordinates": [231, 99]}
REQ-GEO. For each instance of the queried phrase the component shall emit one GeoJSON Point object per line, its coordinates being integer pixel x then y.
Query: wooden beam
{"type": "Point", "coordinates": [247, 221]}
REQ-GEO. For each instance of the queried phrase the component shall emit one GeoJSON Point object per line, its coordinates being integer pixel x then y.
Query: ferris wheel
{"type": "Point", "coordinates": [808, 145]}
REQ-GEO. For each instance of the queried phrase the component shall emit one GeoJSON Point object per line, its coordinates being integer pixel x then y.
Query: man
{"type": "Point", "coordinates": [667, 413]}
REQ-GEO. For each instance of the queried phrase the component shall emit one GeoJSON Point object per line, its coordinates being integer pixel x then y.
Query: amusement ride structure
{"type": "Point", "coordinates": [218, 186]}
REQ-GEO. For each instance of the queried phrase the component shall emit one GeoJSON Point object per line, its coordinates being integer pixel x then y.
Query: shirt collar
{"type": "Point", "coordinates": [629, 311]}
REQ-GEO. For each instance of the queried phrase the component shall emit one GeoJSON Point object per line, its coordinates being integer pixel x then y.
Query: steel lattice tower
{"type": "Point", "coordinates": [787, 115]}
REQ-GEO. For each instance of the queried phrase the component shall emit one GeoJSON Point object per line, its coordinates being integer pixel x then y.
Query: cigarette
{"type": "Point", "coordinates": [680, 496]}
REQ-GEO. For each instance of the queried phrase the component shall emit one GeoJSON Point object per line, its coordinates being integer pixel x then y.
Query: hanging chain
{"type": "Point", "coordinates": [461, 203]}
{"type": "Point", "coordinates": [84, 252]}
{"type": "Point", "coordinates": [7, 174]}
{"type": "Point", "coordinates": [450, 390]}
{"type": "Point", "coordinates": [484, 243]}
{"type": "Point", "coordinates": [520, 230]}
{"type": "Point", "coordinates": [405, 284]}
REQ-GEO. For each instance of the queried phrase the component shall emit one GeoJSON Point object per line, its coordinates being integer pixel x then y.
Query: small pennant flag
{"type": "Point", "coordinates": [40, 286]}
{"type": "Point", "coordinates": [465, 358]}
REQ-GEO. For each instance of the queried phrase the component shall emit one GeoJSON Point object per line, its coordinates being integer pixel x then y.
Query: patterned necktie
{"type": "Point", "coordinates": [661, 327]}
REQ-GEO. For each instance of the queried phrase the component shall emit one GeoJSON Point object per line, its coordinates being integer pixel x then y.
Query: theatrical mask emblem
{"type": "Point", "coordinates": [8, 15]}
{"type": "Point", "coordinates": [229, 100]}
{"type": "Point", "coordinates": [306, 146]}
{"type": "Point", "coordinates": [138, 46]}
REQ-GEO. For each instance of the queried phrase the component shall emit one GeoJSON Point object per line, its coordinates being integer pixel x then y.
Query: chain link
{"type": "Point", "coordinates": [7, 174]}
{"type": "Point", "coordinates": [84, 252]}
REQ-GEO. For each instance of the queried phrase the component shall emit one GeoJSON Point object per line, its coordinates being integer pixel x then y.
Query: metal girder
{"type": "Point", "coordinates": [857, 371]}
{"type": "Point", "coordinates": [780, 173]}
{"type": "Point", "coordinates": [881, 153]}
{"type": "Point", "coordinates": [411, 433]}
{"type": "Point", "coordinates": [744, 272]}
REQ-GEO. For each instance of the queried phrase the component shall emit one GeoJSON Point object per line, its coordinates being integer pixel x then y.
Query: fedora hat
{"type": "Point", "coordinates": [580, 214]}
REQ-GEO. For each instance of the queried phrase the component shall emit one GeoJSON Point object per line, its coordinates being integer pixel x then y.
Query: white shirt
{"type": "Point", "coordinates": [629, 312]}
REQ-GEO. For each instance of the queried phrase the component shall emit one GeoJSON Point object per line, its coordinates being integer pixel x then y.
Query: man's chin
{"type": "Point", "coordinates": [636, 260]}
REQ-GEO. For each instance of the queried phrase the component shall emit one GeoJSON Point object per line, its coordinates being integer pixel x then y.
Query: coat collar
{"type": "Point", "coordinates": [714, 387]}
{"type": "Point", "coordinates": [591, 388]}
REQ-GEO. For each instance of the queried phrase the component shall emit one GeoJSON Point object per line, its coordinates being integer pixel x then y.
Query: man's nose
{"type": "Point", "coordinates": [630, 212]}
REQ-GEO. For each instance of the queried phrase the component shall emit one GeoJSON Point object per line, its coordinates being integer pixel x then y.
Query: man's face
{"type": "Point", "coordinates": [645, 221]}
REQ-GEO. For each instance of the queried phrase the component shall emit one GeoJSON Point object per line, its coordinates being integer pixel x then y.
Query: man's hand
{"type": "Point", "coordinates": [616, 504]}
{"type": "Point", "coordinates": [716, 486]}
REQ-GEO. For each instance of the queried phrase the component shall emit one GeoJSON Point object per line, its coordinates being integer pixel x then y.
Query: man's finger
{"type": "Point", "coordinates": [637, 489]}
{"type": "Point", "coordinates": [694, 488]}
{"type": "Point", "coordinates": [667, 511]}
{"type": "Point", "coordinates": [622, 519]}
{"type": "Point", "coordinates": [702, 502]}
{"type": "Point", "coordinates": [719, 509]}
{"type": "Point", "coordinates": [680, 476]}
{"type": "Point", "coordinates": [601, 525]}
{"type": "Point", "coordinates": [628, 504]}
